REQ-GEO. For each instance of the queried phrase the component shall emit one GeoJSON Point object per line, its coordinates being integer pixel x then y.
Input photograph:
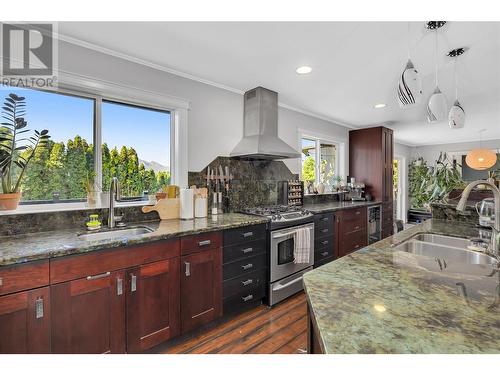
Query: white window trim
{"type": "Point", "coordinates": [318, 138]}
{"type": "Point", "coordinates": [99, 90]}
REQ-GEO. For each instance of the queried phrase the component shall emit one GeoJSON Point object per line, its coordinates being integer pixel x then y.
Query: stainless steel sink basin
{"type": "Point", "coordinates": [447, 254]}
{"type": "Point", "coordinates": [115, 233]}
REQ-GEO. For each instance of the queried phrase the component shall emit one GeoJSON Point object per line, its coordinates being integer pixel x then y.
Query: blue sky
{"type": "Point", "coordinates": [65, 116]}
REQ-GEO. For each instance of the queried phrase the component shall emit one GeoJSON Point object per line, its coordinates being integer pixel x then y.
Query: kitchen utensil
{"type": "Point", "coordinates": [166, 208]}
{"type": "Point", "coordinates": [208, 176]}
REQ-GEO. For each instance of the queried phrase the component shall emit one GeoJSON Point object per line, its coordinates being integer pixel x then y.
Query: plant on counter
{"type": "Point", "coordinates": [16, 149]}
{"type": "Point", "coordinates": [432, 184]}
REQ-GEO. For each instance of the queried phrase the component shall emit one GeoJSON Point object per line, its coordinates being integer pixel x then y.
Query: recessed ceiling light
{"type": "Point", "coordinates": [303, 70]}
{"type": "Point", "coordinates": [380, 105]}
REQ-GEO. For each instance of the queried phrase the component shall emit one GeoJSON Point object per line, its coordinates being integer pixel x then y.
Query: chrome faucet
{"type": "Point", "coordinates": [494, 248]}
{"type": "Point", "coordinates": [114, 196]}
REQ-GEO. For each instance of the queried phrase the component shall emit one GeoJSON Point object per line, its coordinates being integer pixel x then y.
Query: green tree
{"type": "Point", "coordinates": [308, 167]}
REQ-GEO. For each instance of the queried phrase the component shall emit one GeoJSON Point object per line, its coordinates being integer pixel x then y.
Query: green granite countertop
{"type": "Point", "coordinates": [318, 208]}
{"type": "Point", "coordinates": [381, 300]}
{"type": "Point", "coordinates": [35, 246]}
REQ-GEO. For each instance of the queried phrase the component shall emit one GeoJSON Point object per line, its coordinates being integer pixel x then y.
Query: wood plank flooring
{"type": "Point", "coordinates": [263, 330]}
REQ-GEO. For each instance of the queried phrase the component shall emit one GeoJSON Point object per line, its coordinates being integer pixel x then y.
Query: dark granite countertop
{"type": "Point", "coordinates": [318, 208]}
{"type": "Point", "coordinates": [35, 246]}
{"type": "Point", "coordinates": [381, 300]}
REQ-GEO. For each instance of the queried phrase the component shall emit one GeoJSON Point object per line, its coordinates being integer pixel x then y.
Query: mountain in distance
{"type": "Point", "coordinates": [155, 166]}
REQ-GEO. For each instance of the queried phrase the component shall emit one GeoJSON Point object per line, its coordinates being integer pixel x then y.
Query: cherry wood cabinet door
{"type": "Point", "coordinates": [25, 322]}
{"type": "Point", "coordinates": [153, 304]}
{"type": "Point", "coordinates": [88, 314]}
{"type": "Point", "coordinates": [201, 288]}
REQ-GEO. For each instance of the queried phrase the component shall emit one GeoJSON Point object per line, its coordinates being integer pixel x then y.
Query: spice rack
{"type": "Point", "coordinates": [291, 193]}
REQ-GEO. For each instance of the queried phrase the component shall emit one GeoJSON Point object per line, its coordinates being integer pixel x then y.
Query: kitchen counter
{"type": "Point", "coordinates": [51, 244]}
{"type": "Point", "coordinates": [380, 300]}
{"type": "Point", "coordinates": [318, 208]}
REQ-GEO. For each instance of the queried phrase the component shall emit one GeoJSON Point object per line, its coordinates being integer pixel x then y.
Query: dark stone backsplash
{"type": "Point", "coordinates": [254, 181]}
{"type": "Point", "coordinates": [448, 211]}
{"type": "Point", "coordinates": [46, 221]}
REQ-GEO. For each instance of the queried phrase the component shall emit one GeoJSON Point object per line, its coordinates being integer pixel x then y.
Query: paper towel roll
{"type": "Point", "coordinates": [187, 205]}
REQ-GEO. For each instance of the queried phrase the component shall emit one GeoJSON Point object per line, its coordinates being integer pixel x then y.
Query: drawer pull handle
{"type": "Point", "coordinates": [324, 219]}
{"type": "Point", "coordinates": [247, 250]}
{"type": "Point", "coordinates": [119, 286]}
{"type": "Point", "coordinates": [247, 234]}
{"type": "Point", "coordinates": [247, 266]}
{"type": "Point", "coordinates": [133, 283]}
{"type": "Point", "coordinates": [204, 243]}
{"type": "Point", "coordinates": [356, 246]}
{"type": "Point", "coordinates": [188, 269]}
{"type": "Point", "coordinates": [39, 308]}
{"type": "Point", "coordinates": [247, 282]}
{"type": "Point", "coordinates": [100, 276]}
{"type": "Point", "coordinates": [247, 298]}
{"type": "Point", "coordinates": [325, 230]}
{"type": "Point", "coordinates": [356, 227]}
{"type": "Point", "coordinates": [324, 242]}
{"type": "Point", "coordinates": [358, 212]}
{"type": "Point", "coordinates": [1, 281]}
{"type": "Point", "coordinates": [324, 253]}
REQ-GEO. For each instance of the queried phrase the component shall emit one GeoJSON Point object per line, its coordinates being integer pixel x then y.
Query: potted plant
{"type": "Point", "coordinates": [16, 149]}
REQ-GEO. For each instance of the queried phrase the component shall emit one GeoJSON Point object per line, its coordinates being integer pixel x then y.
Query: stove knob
{"type": "Point", "coordinates": [273, 217]}
{"type": "Point", "coordinates": [305, 212]}
{"type": "Point", "coordinates": [278, 216]}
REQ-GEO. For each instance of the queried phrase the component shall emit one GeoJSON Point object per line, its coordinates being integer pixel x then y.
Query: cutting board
{"type": "Point", "coordinates": [167, 208]}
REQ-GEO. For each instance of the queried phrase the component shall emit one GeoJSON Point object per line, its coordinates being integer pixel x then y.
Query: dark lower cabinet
{"type": "Point", "coordinates": [153, 311]}
{"type": "Point", "coordinates": [324, 238]}
{"type": "Point", "coordinates": [25, 322]}
{"type": "Point", "coordinates": [88, 314]}
{"type": "Point", "coordinates": [201, 288]}
{"type": "Point", "coordinates": [352, 230]}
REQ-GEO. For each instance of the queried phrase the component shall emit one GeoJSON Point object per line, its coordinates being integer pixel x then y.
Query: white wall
{"type": "Point", "coordinates": [215, 116]}
{"type": "Point", "coordinates": [404, 152]}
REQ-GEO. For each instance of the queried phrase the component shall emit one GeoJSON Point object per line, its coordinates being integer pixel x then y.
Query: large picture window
{"type": "Point", "coordinates": [135, 146]}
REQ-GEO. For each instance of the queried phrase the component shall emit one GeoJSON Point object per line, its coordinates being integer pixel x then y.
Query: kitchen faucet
{"type": "Point", "coordinates": [494, 248]}
{"type": "Point", "coordinates": [114, 196]}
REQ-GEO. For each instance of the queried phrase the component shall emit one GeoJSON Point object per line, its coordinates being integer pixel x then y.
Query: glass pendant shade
{"type": "Point", "coordinates": [456, 117]}
{"type": "Point", "coordinates": [481, 159]}
{"type": "Point", "coordinates": [409, 87]}
{"type": "Point", "coordinates": [437, 107]}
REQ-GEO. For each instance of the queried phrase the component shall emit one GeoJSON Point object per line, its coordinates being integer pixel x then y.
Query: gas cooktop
{"type": "Point", "coordinates": [280, 214]}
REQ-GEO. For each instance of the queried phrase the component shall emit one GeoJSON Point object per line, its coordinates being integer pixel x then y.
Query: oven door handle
{"type": "Point", "coordinates": [282, 286]}
{"type": "Point", "coordinates": [281, 235]}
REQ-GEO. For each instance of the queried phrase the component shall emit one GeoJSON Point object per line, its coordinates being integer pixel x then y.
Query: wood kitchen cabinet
{"type": "Point", "coordinates": [352, 230]}
{"type": "Point", "coordinates": [153, 304]}
{"type": "Point", "coordinates": [201, 280]}
{"type": "Point", "coordinates": [25, 322]}
{"type": "Point", "coordinates": [88, 314]}
{"type": "Point", "coordinates": [371, 155]}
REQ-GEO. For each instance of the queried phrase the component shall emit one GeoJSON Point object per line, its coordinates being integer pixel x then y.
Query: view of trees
{"type": "Point", "coordinates": [64, 169]}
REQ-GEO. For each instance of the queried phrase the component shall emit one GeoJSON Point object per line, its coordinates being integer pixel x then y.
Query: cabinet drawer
{"type": "Point", "coordinates": [323, 261]}
{"type": "Point", "coordinates": [325, 231]}
{"type": "Point", "coordinates": [200, 242]}
{"type": "Point", "coordinates": [244, 234]}
{"type": "Point", "coordinates": [79, 266]}
{"type": "Point", "coordinates": [354, 214]}
{"type": "Point", "coordinates": [244, 250]}
{"type": "Point", "coordinates": [324, 243]}
{"type": "Point", "coordinates": [244, 283]}
{"type": "Point", "coordinates": [244, 300]}
{"type": "Point", "coordinates": [354, 241]}
{"type": "Point", "coordinates": [26, 276]}
{"type": "Point", "coordinates": [323, 220]}
{"type": "Point", "coordinates": [244, 266]}
{"type": "Point", "coordinates": [323, 254]}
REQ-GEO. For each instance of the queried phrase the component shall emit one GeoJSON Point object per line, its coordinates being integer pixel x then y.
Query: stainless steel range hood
{"type": "Point", "coordinates": [260, 128]}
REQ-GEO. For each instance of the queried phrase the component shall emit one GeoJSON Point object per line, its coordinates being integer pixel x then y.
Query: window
{"type": "Point", "coordinates": [135, 146]}
{"type": "Point", "coordinates": [319, 163]}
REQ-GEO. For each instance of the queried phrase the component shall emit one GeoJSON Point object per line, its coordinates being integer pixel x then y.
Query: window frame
{"type": "Point", "coordinates": [317, 162]}
{"type": "Point", "coordinates": [100, 91]}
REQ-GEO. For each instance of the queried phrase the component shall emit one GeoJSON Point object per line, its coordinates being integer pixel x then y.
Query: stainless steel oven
{"type": "Point", "coordinates": [285, 275]}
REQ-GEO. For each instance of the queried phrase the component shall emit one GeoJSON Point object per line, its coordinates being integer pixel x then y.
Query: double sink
{"type": "Point", "coordinates": [447, 254]}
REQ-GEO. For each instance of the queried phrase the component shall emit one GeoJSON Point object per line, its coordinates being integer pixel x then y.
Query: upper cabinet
{"type": "Point", "coordinates": [370, 160]}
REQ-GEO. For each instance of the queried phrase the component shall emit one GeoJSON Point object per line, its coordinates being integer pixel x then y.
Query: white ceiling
{"type": "Point", "coordinates": [355, 65]}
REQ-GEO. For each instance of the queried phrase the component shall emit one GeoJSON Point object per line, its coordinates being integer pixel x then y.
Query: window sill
{"type": "Point", "coordinates": [76, 206]}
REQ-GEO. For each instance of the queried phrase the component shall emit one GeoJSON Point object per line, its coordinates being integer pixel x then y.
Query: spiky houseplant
{"type": "Point", "coordinates": [16, 149]}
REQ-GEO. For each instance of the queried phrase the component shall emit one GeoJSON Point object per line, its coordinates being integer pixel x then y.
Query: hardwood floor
{"type": "Point", "coordinates": [263, 330]}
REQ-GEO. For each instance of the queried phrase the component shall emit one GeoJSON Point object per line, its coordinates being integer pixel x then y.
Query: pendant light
{"type": "Point", "coordinates": [437, 107]}
{"type": "Point", "coordinates": [456, 117]}
{"type": "Point", "coordinates": [410, 84]}
{"type": "Point", "coordinates": [481, 158]}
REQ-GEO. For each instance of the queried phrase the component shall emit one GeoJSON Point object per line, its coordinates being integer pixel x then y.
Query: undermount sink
{"type": "Point", "coordinates": [111, 234]}
{"type": "Point", "coordinates": [447, 254]}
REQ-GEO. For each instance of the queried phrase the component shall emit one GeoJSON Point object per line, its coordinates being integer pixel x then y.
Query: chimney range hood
{"type": "Point", "coordinates": [260, 128]}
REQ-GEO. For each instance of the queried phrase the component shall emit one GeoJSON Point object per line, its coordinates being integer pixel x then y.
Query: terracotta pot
{"type": "Point", "coordinates": [9, 201]}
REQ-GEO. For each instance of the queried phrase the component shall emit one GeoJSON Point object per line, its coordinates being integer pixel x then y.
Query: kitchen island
{"type": "Point", "coordinates": [381, 300]}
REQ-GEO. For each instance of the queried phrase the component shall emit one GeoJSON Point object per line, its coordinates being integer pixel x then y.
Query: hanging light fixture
{"type": "Point", "coordinates": [410, 84]}
{"type": "Point", "coordinates": [481, 158]}
{"type": "Point", "coordinates": [456, 117]}
{"type": "Point", "coordinates": [437, 107]}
